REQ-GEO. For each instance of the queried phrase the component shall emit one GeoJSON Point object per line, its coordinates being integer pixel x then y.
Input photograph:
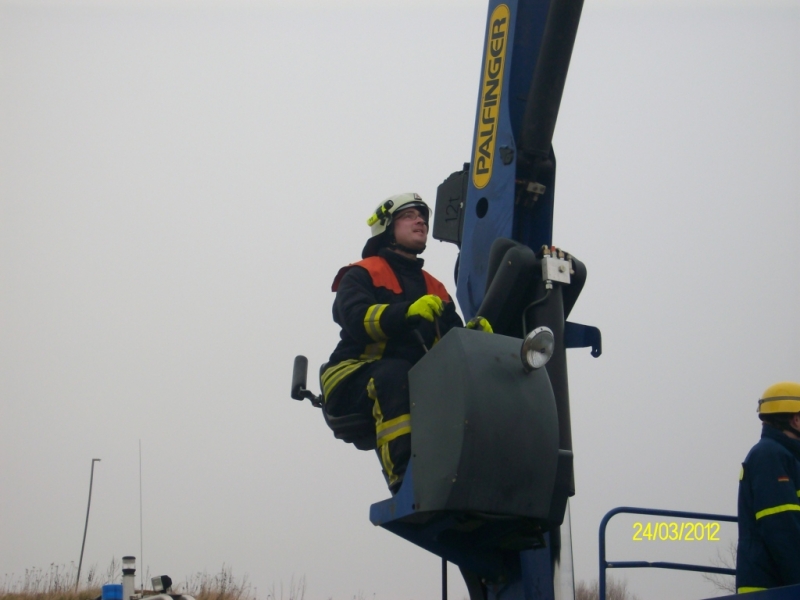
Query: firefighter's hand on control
{"type": "Point", "coordinates": [428, 307]}
{"type": "Point", "coordinates": [480, 324]}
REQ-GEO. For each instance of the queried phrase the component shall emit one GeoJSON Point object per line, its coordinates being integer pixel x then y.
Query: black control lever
{"type": "Point", "coordinates": [299, 378]}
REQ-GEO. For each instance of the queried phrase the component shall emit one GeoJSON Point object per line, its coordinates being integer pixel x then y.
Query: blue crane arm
{"type": "Point", "coordinates": [499, 210]}
{"type": "Point", "coordinates": [507, 191]}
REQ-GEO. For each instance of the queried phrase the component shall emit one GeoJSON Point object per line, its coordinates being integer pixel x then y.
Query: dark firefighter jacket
{"type": "Point", "coordinates": [769, 514]}
{"type": "Point", "coordinates": [372, 298]}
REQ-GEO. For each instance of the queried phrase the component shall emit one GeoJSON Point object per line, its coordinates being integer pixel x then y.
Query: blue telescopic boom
{"type": "Point", "coordinates": [507, 191]}
{"type": "Point", "coordinates": [499, 208]}
{"type": "Point", "coordinates": [499, 211]}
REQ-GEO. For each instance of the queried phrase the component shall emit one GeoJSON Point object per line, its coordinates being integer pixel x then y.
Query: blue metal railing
{"type": "Point", "coordinates": [660, 564]}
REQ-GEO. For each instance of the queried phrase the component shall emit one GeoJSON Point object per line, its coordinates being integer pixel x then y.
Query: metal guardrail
{"type": "Point", "coordinates": [659, 564]}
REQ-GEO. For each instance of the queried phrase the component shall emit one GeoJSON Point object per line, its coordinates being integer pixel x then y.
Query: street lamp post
{"type": "Point", "coordinates": [86, 526]}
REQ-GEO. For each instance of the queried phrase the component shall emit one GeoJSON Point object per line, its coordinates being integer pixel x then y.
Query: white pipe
{"type": "Point", "coordinates": [128, 576]}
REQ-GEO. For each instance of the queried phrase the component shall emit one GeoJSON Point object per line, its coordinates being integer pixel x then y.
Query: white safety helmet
{"type": "Point", "coordinates": [381, 219]}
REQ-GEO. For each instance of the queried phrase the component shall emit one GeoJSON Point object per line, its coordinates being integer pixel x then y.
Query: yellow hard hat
{"type": "Point", "coordinates": [782, 397]}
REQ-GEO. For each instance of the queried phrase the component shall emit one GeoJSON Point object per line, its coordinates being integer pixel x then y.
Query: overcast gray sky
{"type": "Point", "coordinates": [179, 183]}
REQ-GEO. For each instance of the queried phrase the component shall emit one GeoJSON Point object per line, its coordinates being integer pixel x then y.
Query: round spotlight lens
{"type": "Point", "coordinates": [537, 348]}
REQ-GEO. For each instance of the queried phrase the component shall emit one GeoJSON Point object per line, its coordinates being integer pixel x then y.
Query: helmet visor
{"type": "Point", "coordinates": [421, 207]}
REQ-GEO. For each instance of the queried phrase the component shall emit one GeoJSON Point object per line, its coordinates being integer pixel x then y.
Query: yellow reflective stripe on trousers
{"type": "Point", "coordinates": [390, 430]}
{"type": "Point", "coordinates": [388, 465]}
{"type": "Point", "coordinates": [332, 376]}
{"type": "Point", "coordinates": [744, 590]}
{"type": "Point", "coordinates": [372, 322]}
{"type": "Point", "coordinates": [383, 449]}
{"type": "Point", "coordinates": [776, 509]}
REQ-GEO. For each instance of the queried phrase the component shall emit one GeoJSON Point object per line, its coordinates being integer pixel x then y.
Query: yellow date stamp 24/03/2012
{"type": "Point", "coordinates": [676, 532]}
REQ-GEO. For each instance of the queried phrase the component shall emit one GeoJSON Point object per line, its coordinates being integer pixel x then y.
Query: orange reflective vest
{"type": "Point", "coordinates": [383, 276]}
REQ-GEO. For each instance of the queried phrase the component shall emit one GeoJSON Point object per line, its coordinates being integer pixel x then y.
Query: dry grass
{"type": "Point", "coordinates": [55, 583]}
{"type": "Point", "coordinates": [222, 586]}
{"type": "Point", "coordinates": [296, 590]}
{"type": "Point", "coordinates": [58, 583]}
{"type": "Point", "coordinates": [615, 590]}
{"type": "Point", "coordinates": [727, 560]}
{"type": "Point", "coordinates": [81, 594]}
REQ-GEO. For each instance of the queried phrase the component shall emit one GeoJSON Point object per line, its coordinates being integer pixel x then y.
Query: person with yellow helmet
{"type": "Point", "coordinates": [768, 554]}
{"type": "Point", "coordinates": [391, 312]}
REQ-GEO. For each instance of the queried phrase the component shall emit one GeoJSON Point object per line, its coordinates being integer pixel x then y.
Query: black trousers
{"type": "Point", "coordinates": [380, 389]}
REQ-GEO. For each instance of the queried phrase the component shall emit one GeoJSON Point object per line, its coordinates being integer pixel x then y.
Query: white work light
{"type": "Point", "coordinates": [162, 584]}
{"type": "Point", "coordinates": [537, 348]}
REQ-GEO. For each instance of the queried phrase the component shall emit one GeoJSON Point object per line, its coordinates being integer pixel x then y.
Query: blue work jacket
{"type": "Point", "coordinates": [768, 555]}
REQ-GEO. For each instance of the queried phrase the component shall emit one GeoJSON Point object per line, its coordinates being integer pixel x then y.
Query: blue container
{"type": "Point", "coordinates": [112, 591]}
